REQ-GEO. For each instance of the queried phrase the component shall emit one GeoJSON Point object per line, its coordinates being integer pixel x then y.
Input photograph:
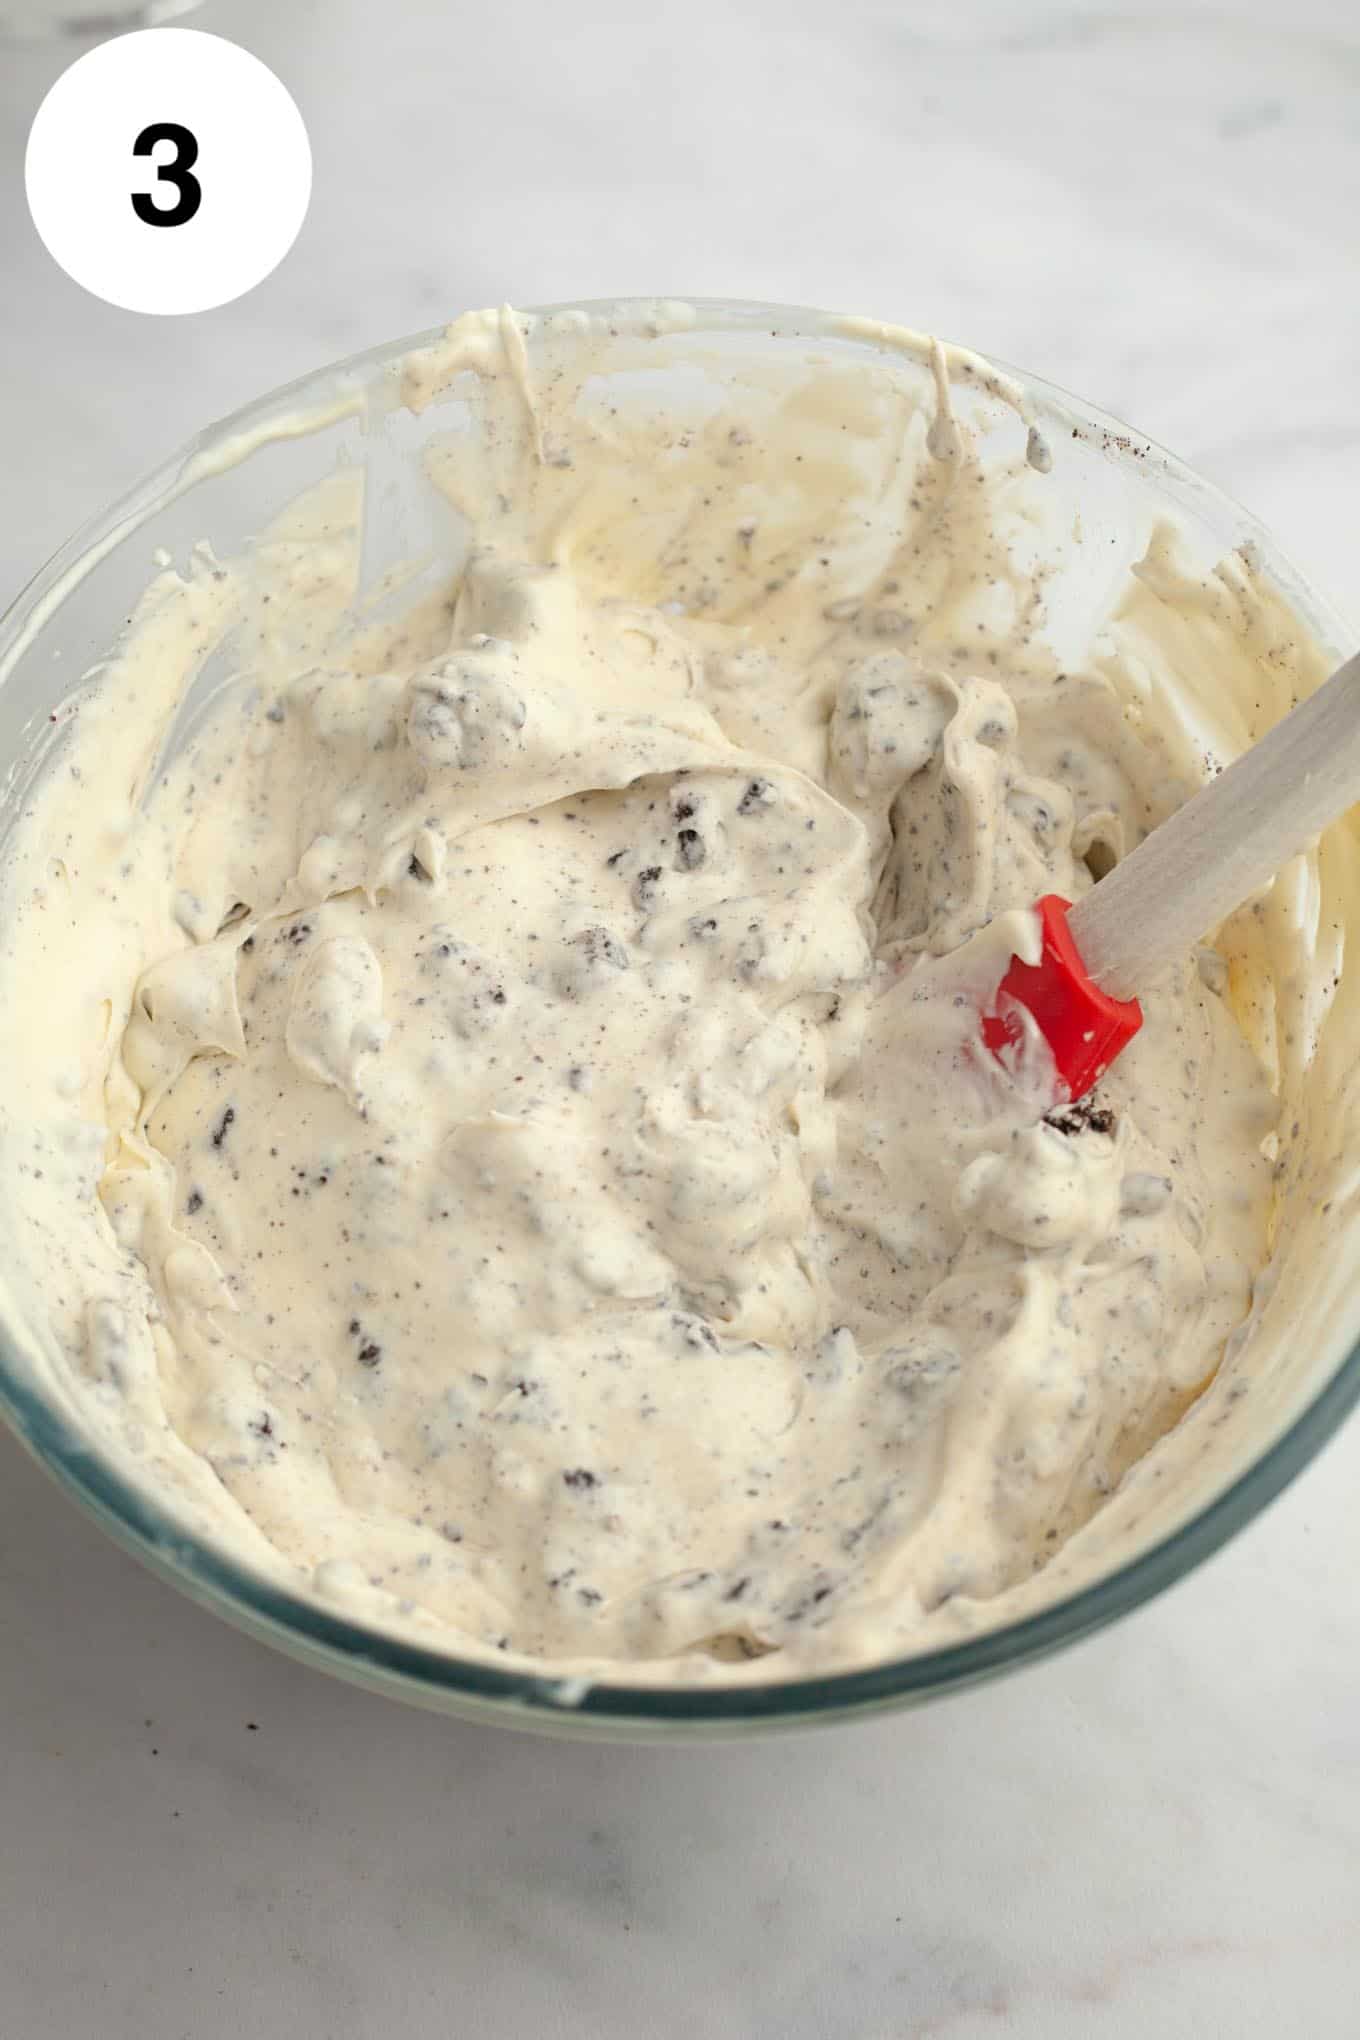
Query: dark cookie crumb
{"type": "Point", "coordinates": [1082, 1117]}
{"type": "Point", "coordinates": [223, 1126]}
{"type": "Point", "coordinates": [645, 887]}
{"type": "Point", "coordinates": [759, 795]}
{"type": "Point", "coordinates": [580, 1477]}
{"type": "Point", "coordinates": [802, 1603]}
{"type": "Point", "coordinates": [600, 946]}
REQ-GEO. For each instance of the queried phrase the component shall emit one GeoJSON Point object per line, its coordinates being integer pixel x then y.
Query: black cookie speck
{"type": "Point", "coordinates": [645, 887]}
{"type": "Point", "coordinates": [1082, 1117]}
{"type": "Point", "coordinates": [689, 850]}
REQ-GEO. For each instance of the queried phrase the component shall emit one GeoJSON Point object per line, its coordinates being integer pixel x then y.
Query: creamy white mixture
{"type": "Point", "coordinates": [503, 1139]}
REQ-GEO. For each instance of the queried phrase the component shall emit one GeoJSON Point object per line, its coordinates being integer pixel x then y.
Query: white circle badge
{"type": "Point", "coordinates": [168, 171]}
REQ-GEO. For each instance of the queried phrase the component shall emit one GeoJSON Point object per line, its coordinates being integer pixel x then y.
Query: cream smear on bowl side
{"type": "Point", "coordinates": [495, 1130]}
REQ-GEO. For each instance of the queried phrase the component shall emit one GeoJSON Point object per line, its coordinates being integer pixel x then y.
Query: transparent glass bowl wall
{"type": "Point", "coordinates": [224, 489]}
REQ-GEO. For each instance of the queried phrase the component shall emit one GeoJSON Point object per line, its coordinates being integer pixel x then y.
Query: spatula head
{"type": "Point", "coordinates": [1084, 1027]}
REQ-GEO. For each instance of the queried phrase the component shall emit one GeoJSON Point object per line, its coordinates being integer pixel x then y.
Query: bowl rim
{"type": "Point", "coordinates": [555, 1700]}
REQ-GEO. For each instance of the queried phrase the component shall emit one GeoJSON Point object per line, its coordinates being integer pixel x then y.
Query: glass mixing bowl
{"type": "Point", "coordinates": [227, 486]}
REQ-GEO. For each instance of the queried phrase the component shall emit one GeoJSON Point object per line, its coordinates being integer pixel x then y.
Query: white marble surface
{"type": "Point", "coordinates": [1158, 1833]}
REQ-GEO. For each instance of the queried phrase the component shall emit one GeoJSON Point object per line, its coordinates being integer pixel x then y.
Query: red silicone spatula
{"type": "Point", "coordinates": [1179, 884]}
